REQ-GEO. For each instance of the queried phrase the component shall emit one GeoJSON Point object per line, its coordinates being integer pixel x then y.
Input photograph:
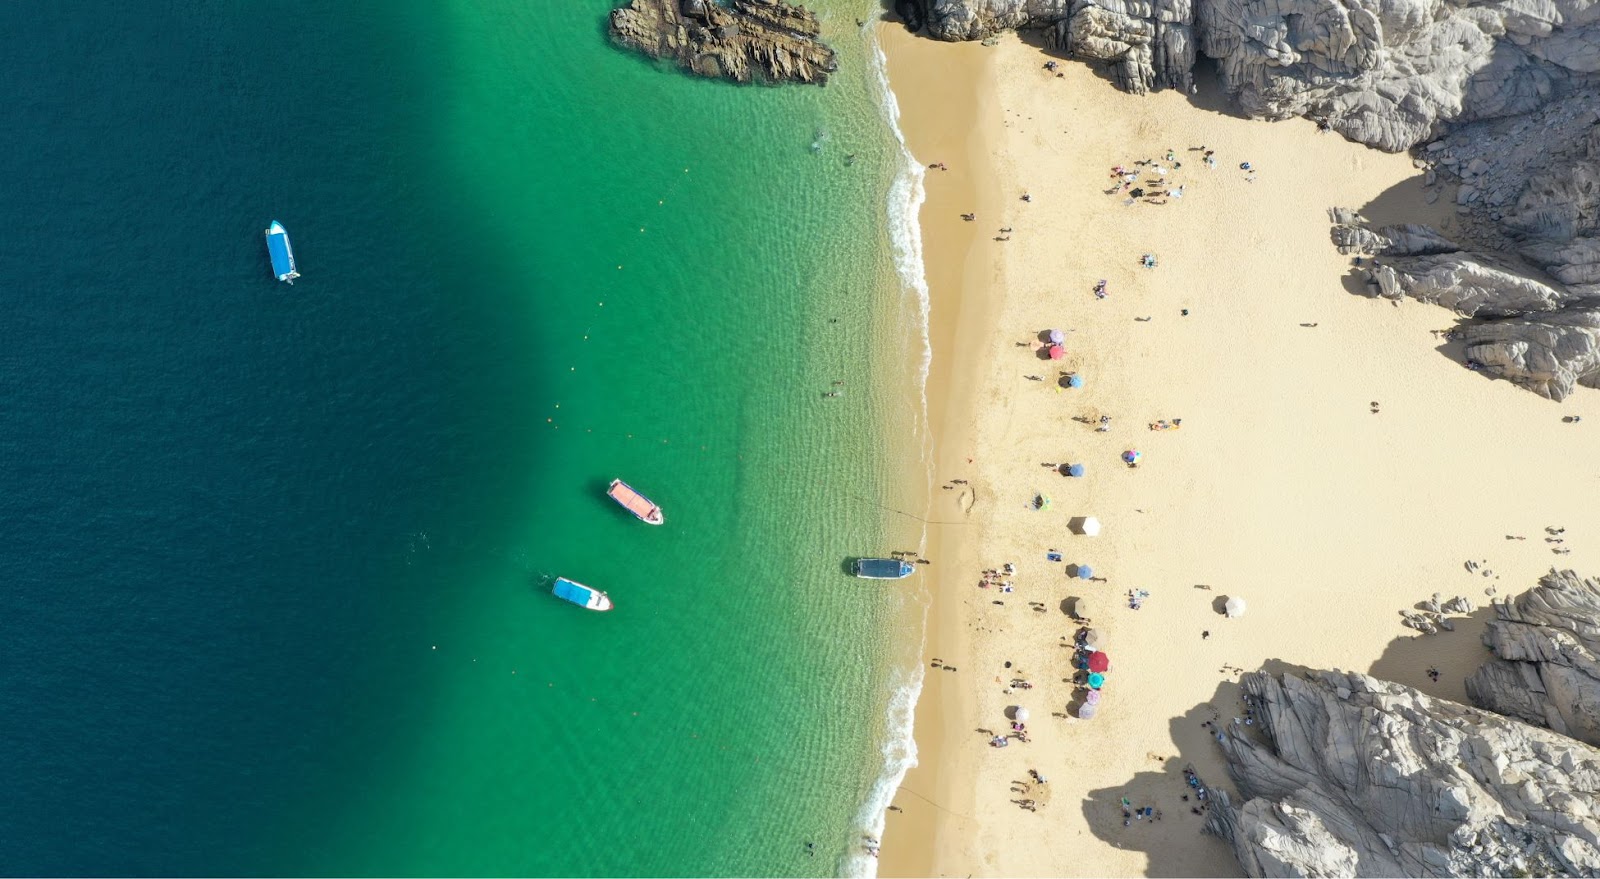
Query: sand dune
{"type": "Point", "coordinates": [1284, 484]}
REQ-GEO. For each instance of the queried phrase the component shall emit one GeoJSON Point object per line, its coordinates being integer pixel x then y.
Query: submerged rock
{"type": "Point", "coordinates": [745, 40]}
{"type": "Point", "coordinates": [1352, 776]}
{"type": "Point", "coordinates": [1546, 669]}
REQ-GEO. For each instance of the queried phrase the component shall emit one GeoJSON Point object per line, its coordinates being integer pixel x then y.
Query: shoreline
{"type": "Point", "coordinates": [937, 791]}
{"type": "Point", "coordinates": [1282, 487]}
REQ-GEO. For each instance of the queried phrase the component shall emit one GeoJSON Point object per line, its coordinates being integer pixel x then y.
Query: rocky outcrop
{"type": "Point", "coordinates": [1527, 270]}
{"type": "Point", "coordinates": [743, 40]}
{"type": "Point", "coordinates": [1347, 775]}
{"type": "Point", "coordinates": [1546, 669]}
{"type": "Point", "coordinates": [1383, 72]}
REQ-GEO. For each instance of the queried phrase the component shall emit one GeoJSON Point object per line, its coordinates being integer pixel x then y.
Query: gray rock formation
{"type": "Point", "coordinates": [1383, 72]}
{"type": "Point", "coordinates": [1546, 669]}
{"type": "Point", "coordinates": [1346, 775]}
{"type": "Point", "coordinates": [1528, 194]}
{"type": "Point", "coordinates": [743, 40]}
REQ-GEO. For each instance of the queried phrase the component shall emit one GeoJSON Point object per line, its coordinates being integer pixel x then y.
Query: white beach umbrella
{"type": "Point", "coordinates": [1090, 526]}
{"type": "Point", "coordinates": [1234, 607]}
{"type": "Point", "coordinates": [1020, 714]}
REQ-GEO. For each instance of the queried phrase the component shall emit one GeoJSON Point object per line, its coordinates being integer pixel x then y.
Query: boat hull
{"type": "Point", "coordinates": [883, 569]}
{"type": "Point", "coordinates": [583, 596]}
{"type": "Point", "coordinates": [281, 253]}
{"type": "Point", "coordinates": [644, 509]}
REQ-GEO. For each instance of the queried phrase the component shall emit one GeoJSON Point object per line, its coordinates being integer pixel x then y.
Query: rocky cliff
{"type": "Point", "coordinates": [742, 40]}
{"type": "Point", "coordinates": [1383, 72]}
{"type": "Point", "coordinates": [1347, 775]}
{"type": "Point", "coordinates": [1527, 270]}
{"type": "Point", "coordinates": [1546, 669]}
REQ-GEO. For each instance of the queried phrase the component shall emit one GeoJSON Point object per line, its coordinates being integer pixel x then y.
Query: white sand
{"type": "Point", "coordinates": [1281, 486]}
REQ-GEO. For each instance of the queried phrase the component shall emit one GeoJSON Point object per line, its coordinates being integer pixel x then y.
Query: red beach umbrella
{"type": "Point", "coordinates": [1099, 661]}
{"type": "Point", "coordinates": [1057, 352]}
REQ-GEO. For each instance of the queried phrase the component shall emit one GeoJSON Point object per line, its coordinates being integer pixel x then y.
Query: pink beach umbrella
{"type": "Point", "coordinates": [1057, 352]}
{"type": "Point", "coordinates": [1092, 697]}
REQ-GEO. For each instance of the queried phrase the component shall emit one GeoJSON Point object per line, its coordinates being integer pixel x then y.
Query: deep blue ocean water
{"type": "Point", "coordinates": [273, 555]}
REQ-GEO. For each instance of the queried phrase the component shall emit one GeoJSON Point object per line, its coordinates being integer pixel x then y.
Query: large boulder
{"type": "Point", "coordinates": [1546, 669]}
{"type": "Point", "coordinates": [1347, 775]}
{"type": "Point", "coordinates": [769, 41]}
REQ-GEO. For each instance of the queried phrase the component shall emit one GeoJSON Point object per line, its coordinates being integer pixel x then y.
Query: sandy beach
{"type": "Point", "coordinates": [1334, 464]}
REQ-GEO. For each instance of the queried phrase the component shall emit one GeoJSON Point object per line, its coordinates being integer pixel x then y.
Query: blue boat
{"type": "Point", "coordinates": [883, 569]}
{"type": "Point", "coordinates": [581, 595]}
{"type": "Point", "coordinates": [282, 254]}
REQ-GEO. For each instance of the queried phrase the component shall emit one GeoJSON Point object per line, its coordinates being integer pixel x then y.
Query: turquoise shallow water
{"type": "Point", "coordinates": [275, 554]}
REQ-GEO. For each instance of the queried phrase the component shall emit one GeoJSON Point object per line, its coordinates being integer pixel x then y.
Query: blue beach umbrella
{"type": "Point", "coordinates": [1085, 572]}
{"type": "Point", "coordinates": [1074, 381]}
{"type": "Point", "coordinates": [1074, 469]}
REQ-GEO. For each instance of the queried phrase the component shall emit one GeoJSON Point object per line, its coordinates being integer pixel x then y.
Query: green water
{"type": "Point", "coordinates": [278, 555]}
{"type": "Point", "coordinates": [690, 277]}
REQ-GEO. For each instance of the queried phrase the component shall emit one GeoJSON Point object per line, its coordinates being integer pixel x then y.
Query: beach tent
{"type": "Point", "coordinates": [1085, 572]}
{"type": "Point", "coordinates": [1099, 661]}
{"type": "Point", "coordinates": [1019, 714]}
{"type": "Point", "coordinates": [1086, 711]}
{"type": "Point", "coordinates": [1088, 526]}
{"type": "Point", "coordinates": [1096, 681]}
{"type": "Point", "coordinates": [1074, 469]}
{"type": "Point", "coordinates": [1057, 352]}
{"type": "Point", "coordinates": [1234, 607]}
{"type": "Point", "coordinates": [1132, 456]}
{"type": "Point", "coordinates": [1057, 337]}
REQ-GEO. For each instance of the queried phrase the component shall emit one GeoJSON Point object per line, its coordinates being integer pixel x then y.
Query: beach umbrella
{"type": "Point", "coordinates": [1020, 715]}
{"type": "Point", "coordinates": [1234, 607]}
{"type": "Point", "coordinates": [1074, 469]}
{"type": "Point", "coordinates": [1074, 381]}
{"type": "Point", "coordinates": [1057, 352]}
{"type": "Point", "coordinates": [1057, 337]}
{"type": "Point", "coordinates": [1085, 572]}
{"type": "Point", "coordinates": [1089, 527]}
{"type": "Point", "coordinates": [1086, 711]}
{"type": "Point", "coordinates": [1096, 681]}
{"type": "Point", "coordinates": [1132, 456]}
{"type": "Point", "coordinates": [1092, 697]}
{"type": "Point", "coordinates": [1099, 661]}
{"type": "Point", "coordinates": [1091, 638]}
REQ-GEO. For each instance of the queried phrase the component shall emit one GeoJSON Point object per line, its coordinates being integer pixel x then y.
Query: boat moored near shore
{"type": "Point", "coordinates": [883, 569]}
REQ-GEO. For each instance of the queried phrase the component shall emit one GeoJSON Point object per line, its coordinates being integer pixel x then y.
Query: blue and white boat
{"type": "Point", "coordinates": [282, 254]}
{"type": "Point", "coordinates": [883, 569]}
{"type": "Point", "coordinates": [581, 595]}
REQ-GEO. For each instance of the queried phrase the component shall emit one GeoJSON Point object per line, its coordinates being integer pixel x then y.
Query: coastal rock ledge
{"type": "Point", "coordinates": [1546, 669]}
{"type": "Point", "coordinates": [1347, 775]}
{"type": "Point", "coordinates": [746, 40]}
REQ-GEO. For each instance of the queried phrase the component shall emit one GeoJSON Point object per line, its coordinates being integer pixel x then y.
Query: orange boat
{"type": "Point", "coordinates": [635, 503]}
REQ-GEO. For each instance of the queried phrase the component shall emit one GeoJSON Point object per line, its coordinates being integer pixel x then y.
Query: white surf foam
{"type": "Point", "coordinates": [906, 675]}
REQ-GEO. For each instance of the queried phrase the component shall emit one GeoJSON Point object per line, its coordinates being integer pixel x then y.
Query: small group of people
{"type": "Point", "coordinates": [1164, 424]}
{"type": "Point", "coordinates": [1136, 598]}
